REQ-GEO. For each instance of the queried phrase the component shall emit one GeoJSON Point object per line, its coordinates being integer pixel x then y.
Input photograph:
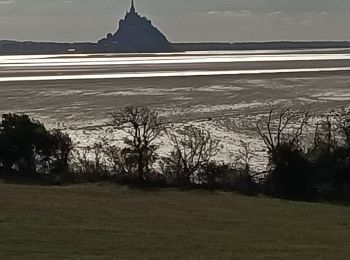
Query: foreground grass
{"type": "Point", "coordinates": [111, 222]}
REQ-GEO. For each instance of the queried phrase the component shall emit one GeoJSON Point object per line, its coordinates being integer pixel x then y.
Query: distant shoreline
{"type": "Point", "coordinates": [9, 47]}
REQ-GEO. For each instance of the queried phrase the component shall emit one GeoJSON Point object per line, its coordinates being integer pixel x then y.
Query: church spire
{"type": "Point", "coordinates": [132, 9]}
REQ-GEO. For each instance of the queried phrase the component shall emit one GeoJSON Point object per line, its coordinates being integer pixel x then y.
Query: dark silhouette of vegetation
{"type": "Point", "coordinates": [89, 164]}
{"type": "Point", "coordinates": [304, 170]}
{"type": "Point", "coordinates": [193, 150]}
{"type": "Point", "coordinates": [192, 163]}
{"type": "Point", "coordinates": [142, 127]}
{"type": "Point", "coordinates": [330, 156]}
{"type": "Point", "coordinates": [289, 171]}
{"type": "Point", "coordinates": [290, 175]}
{"type": "Point", "coordinates": [307, 161]}
{"type": "Point", "coordinates": [223, 176]}
{"type": "Point", "coordinates": [28, 149]}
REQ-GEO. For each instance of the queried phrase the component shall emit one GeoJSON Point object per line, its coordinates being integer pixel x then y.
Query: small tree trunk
{"type": "Point", "coordinates": [140, 167]}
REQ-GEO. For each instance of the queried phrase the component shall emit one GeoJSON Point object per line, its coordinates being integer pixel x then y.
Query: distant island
{"type": "Point", "coordinates": [137, 34]}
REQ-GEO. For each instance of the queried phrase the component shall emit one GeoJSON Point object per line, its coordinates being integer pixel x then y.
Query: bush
{"type": "Point", "coordinates": [225, 177]}
{"type": "Point", "coordinates": [330, 157]}
{"type": "Point", "coordinates": [320, 172]}
{"type": "Point", "coordinates": [290, 175]}
{"type": "Point", "coordinates": [28, 149]}
{"type": "Point", "coordinates": [332, 174]}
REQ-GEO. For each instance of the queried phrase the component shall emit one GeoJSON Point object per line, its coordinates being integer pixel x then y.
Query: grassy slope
{"type": "Point", "coordinates": [109, 222]}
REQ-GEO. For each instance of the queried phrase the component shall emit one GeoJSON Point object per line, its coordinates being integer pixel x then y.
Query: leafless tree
{"type": "Point", "coordinates": [115, 158]}
{"type": "Point", "coordinates": [282, 126]}
{"type": "Point", "coordinates": [325, 137]}
{"type": "Point", "coordinates": [343, 123]}
{"type": "Point", "coordinates": [245, 155]}
{"type": "Point", "coordinates": [142, 127]}
{"type": "Point", "coordinates": [194, 148]}
{"type": "Point", "coordinates": [90, 163]}
{"type": "Point", "coordinates": [332, 131]}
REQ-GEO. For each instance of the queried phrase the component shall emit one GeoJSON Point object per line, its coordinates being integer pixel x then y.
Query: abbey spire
{"type": "Point", "coordinates": [132, 9]}
{"type": "Point", "coordinates": [135, 34]}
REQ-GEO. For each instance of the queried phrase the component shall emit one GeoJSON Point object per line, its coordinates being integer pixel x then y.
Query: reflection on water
{"type": "Point", "coordinates": [205, 63]}
{"type": "Point", "coordinates": [162, 74]}
{"type": "Point", "coordinates": [101, 60]}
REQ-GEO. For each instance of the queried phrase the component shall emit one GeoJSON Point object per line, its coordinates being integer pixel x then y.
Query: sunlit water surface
{"type": "Point", "coordinates": [225, 91]}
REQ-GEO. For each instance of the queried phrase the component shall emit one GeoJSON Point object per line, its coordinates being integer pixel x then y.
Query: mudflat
{"type": "Point", "coordinates": [183, 87]}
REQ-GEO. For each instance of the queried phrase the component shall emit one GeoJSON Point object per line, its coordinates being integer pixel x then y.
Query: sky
{"type": "Point", "coordinates": [179, 20]}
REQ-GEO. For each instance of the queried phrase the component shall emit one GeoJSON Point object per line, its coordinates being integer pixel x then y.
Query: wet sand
{"type": "Point", "coordinates": [77, 105]}
{"type": "Point", "coordinates": [186, 98]}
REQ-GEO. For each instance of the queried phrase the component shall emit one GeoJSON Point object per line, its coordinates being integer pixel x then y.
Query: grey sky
{"type": "Point", "coordinates": [180, 20]}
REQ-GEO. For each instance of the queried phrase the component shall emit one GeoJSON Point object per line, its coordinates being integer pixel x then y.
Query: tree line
{"type": "Point", "coordinates": [309, 155]}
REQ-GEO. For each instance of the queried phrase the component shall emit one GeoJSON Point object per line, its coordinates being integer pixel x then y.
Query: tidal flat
{"type": "Point", "coordinates": [224, 92]}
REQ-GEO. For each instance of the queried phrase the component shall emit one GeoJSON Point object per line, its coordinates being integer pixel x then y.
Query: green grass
{"type": "Point", "coordinates": [111, 222]}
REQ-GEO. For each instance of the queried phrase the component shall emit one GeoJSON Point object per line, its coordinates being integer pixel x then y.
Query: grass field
{"type": "Point", "coordinates": [112, 222]}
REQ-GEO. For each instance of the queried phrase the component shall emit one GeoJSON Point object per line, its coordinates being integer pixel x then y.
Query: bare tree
{"type": "Point", "coordinates": [115, 158]}
{"type": "Point", "coordinates": [193, 150]}
{"type": "Point", "coordinates": [332, 131]}
{"type": "Point", "coordinates": [90, 163]}
{"type": "Point", "coordinates": [325, 134]}
{"type": "Point", "coordinates": [245, 155]}
{"type": "Point", "coordinates": [282, 126]}
{"type": "Point", "coordinates": [343, 123]}
{"type": "Point", "coordinates": [142, 127]}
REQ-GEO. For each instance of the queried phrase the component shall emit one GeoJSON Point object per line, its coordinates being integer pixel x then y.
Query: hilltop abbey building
{"type": "Point", "coordinates": [135, 34]}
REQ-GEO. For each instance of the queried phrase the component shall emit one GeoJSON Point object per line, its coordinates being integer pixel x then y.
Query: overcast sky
{"type": "Point", "coordinates": [180, 20]}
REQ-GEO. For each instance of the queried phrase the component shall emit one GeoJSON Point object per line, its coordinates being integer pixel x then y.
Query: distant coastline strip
{"type": "Point", "coordinates": [162, 74]}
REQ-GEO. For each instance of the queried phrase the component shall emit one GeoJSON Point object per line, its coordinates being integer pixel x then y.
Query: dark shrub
{"type": "Point", "coordinates": [21, 140]}
{"type": "Point", "coordinates": [332, 175]}
{"type": "Point", "coordinates": [54, 165]}
{"type": "Point", "coordinates": [290, 175]}
{"type": "Point", "coordinates": [224, 176]}
{"type": "Point", "coordinates": [27, 148]}
{"type": "Point", "coordinates": [330, 157]}
{"type": "Point", "coordinates": [331, 172]}
{"type": "Point", "coordinates": [89, 164]}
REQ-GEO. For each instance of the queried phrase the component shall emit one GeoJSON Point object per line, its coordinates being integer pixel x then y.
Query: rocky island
{"type": "Point", "coordinates": [135, 34]}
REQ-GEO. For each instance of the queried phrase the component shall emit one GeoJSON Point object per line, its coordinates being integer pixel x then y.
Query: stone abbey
{"type": "Point", "coordinates": [135, 34]}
